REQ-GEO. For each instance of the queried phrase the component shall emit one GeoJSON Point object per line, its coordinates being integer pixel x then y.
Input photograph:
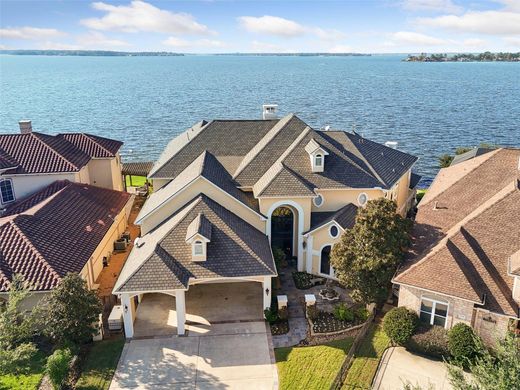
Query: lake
{"type": "Point", "coordinates": [428, 108]}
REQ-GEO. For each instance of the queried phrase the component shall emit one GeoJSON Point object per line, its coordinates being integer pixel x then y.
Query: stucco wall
{"type": "Point", "coordinates": [335, 199]}
{"type": "Point", "coordinates": [266, 204]}
{"type": "Point", "coordinates": [106, 173]}
{"type": "Point", "coordinates": [189, 193]}
{"type": "Point", "coordinates": [458, 310]}
{"type": "Point", "coordinates": [315, 242]}
{"type": "Point", "coordinates": [25, 185]}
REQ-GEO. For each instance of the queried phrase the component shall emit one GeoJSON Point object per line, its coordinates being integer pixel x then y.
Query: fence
{"type": "Point", "coordinates": [340, 377]}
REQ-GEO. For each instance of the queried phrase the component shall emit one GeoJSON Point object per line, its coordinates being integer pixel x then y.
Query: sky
{"type": "Point", "coordinates": [363, 26]}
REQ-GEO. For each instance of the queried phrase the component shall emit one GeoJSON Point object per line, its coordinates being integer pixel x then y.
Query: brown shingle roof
{"type": "Point", "coordinates": [41, 153]}
{"type": "Point", "coordinates": [60, 236]}
{"type": "Point", "coordinates": [463, 245]}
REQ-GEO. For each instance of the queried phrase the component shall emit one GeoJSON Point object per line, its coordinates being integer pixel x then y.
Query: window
{"type": "Point", "coordinates": [334, 231]}
{"type": "Point", "coordinates": [325, 267]}
{"type": "Point", "coordinates": [318, 160]}
{"type": "Point", "coordinates": [434, 312]}
{"type": "Point", "coordinates": [6, 191]}
{"type": "Point", "coordinates": [198, 248]}
{"type": "Point", "coordinates": [318, 201]}
{"type": "Point", "coordinates": [362, 199]}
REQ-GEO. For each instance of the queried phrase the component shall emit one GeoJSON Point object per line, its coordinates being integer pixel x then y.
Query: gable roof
{"type": "Point", "coordinates": [59, 235]}
{"type": "Point", "coordinates": [162, 259]}
{"type": "Point", "coordinates": [467, 232]}
{"type": "Point", "coordinates": [41, 153]}
{"type": "Point", "coordinates": [344, 217]}
{"type": "Point", "coordinates": [201, 226]}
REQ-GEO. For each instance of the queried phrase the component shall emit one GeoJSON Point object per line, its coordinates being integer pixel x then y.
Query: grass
{"type": "Point", "coordinates": [137, 181]}
{"type": "Point", "coordinates": [100, 364]}
{"type": "Point", "coordinates": [29, 380]}
{"type": "Point", "coordinates": [420, 195]}
{"type": "Point", "coordinates": [364, 366]}
{"type": "Point", "coordinates": [311, 367]}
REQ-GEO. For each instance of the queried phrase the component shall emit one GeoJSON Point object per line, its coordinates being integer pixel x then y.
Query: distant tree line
{"type": "Point", "coordinates": [482, 57]}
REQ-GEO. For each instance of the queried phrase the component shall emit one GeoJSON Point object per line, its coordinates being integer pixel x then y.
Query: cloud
{"type": "Point", "coordinates": [409, 37]}
{"type": "Point", "coordinates": [431, 5]}
{"type": "Point", "coordinates": [328, 35]}
{"type": "Point", "coordinates": [272, 25]}
{"type": "Point", "coordinates": [142, 16]}
{"type": "Point", "coordinates": [199, 43]}
{"type": "Point", "coordinates": [340, 49]}
{"type": "Point", "coordinates": [96, 40]}
{"type": "Point", "coordinates": [267, 47]}
{"type": "Point", "coordinates": [29, 33]}
{"type": "Point", "coordinates": [474, 42]}
{"type": "Point", "coordinates": [48, 45]}
{"type": "Point", "coordinates": [502, 22]}
{"type": "Point", "coordinates": [515, 41]}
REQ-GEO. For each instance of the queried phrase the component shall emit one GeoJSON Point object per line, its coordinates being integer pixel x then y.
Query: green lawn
{"type": "Point", "coordinates": [137, 181]}
{"type": "Point", "coordinates": [364, 366]}
{"type": "Point", "coordinates": [100, 364]}
{"type": "Point", "coordinates": [311, 367]}
{"type": "Point", "coordinates": [420, 195]}
{"type": "Point", "coordinates": [27, 381]}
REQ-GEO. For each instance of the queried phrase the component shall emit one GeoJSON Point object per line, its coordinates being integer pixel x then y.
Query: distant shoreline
{"type": "Point", "coordinates": [482, 57]}
{"type": "Point", "coordinates": [106, 53]}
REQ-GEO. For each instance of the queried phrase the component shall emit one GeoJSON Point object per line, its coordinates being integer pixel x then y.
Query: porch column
{"type": "Point", "coordinates": [266, 288]}
{"type": "Point", "coordinates": [128, 315]}
{"type": "Point", "coordinates": [309, 248]}
{"type": "Point", "coordinates": [180, 308]}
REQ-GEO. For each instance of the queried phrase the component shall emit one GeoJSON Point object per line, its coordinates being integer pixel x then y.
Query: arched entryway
{"type": "Point", "coordinates": [282, 230]}
{"type": "Point", "coordinates": [325, 267]}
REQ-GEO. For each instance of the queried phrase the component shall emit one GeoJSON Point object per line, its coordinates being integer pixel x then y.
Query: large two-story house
{"type": "Point", "coordinates": [219, 188]}
{"type": "Point", "coordinates": [465, 262]}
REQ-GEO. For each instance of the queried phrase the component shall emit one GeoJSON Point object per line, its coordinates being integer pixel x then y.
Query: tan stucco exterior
{"type": "Point", "coordinates": [106, 172]}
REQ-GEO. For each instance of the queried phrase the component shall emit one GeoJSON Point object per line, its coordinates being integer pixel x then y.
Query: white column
{"type": "Point", "coordinates": [309, 250]}
{"type": "Point", "coordinates": [180, 308]}
{"type": "Point", "coordinates": [266, 288]}
{"type": "Point", "coordinates": [128, 317]}
{"type": "Point", "coordinates": [301, 260]}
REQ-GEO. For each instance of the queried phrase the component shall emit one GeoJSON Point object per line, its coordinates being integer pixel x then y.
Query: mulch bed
{"type": "Point", "coordinates": [326, 323]}
{"type": "Point", "coordinates": [302, 280]}
{"type": "Point", "coordinates": [280, 328]}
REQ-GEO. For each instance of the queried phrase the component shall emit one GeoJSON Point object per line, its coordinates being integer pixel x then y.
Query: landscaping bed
{"type": "Point", "coordinates": [311, 367]}
{"type": "Point", "coordinates": [304, 281]}
{"type": "Point", "coordinates": [279, 328]}
{"type": "Point", "coordinates": [342, 318]}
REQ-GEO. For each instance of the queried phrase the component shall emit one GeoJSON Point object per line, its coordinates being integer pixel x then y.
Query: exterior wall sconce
{"type": "Point", "coordinates": [266, 291]}
{"type": "Point", "coordinates": [125, 308]}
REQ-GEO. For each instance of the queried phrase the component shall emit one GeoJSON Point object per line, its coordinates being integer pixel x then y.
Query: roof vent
{"type": "Point", "coordinates": [138, 242]}
{"type": "Point", "coordinates": [325, 128]}
{"type": "Point", "coordinates": [269, 111]}
{"type": "Point", "coordinates": [25, 126]}
{"type": "Point", "coordinates": [391, 144]}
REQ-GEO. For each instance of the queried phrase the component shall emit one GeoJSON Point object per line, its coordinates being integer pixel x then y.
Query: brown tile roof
{"type": "Point", "coordinates": [137, 168]}
{"type": "Point", "coordinates": [462, 247]}
{"type": "Point", "coordinates": [45, 243]}
{"type": "Point", "coordinates": [41, 153]}
{"type": "Point", "coordinates": [162, 259]}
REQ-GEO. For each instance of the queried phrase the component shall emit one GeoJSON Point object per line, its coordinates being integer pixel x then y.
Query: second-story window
{"type": "Point", "coordinates": [318, 160]}
{"type": "Point", "coordinates": [198, 248]}
{"type": "Point", "coordinates": [6, 191]}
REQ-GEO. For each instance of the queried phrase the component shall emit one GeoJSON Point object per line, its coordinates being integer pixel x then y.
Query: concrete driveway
{"type": "Point", "coordinates": [399, 366]}
{"type": "Point", "coordinates": [220, 356]}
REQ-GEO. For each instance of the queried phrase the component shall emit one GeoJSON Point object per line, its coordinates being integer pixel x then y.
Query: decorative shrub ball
{"type": "Point", "coordinates": [462, 343]}
{"type": "Point", "coordinates": [430, 340]}
{"type": "Point", "coordinates": [399, 324]}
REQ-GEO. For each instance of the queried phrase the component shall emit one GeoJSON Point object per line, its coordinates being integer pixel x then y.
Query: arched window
{"type": "Point", "coordinates": [362, 199]}
{"type": "Point", "coordinates": [334, 231]}
{"type": "Point", "coordinates": [318, 160]}
{"type": "Point", "coordinates": [318, 200]}
{"type": "Point", "coordinates": [325, 267]}
{"type": "Point", "coordinates": [6, 191]}
{"type": "Point", "coordinates": [198, 248]}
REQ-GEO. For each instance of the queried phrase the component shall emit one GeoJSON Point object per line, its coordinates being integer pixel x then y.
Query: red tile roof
{"type": "Point", "coordinates": [44, 244]}
{"type": "Point", "coordinates": [93, 145]}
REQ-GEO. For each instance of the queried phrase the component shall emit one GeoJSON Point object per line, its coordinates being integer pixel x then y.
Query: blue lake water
{"type": "Point", "coordinates": [429, 108]}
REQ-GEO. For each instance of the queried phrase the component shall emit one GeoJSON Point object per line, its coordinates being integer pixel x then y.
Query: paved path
{"type": "Point", "coordinates": [399, 366]}
{"type": "Point", "coordinates": [223, 356]}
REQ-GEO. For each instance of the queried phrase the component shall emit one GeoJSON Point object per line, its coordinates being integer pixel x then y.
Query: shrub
{"type": "Point", "coordinates": [270, 315]}
{"type": "Point", "coordinates": [399, 324]}
{"type": "Point", "coordinates": [283, 313]}
{"type": "Point", "coordinates": [462, 343]}
{"type": "Point", "coordinates": [361, 314]}
{"type": "Point", "coordinates": [312, 312]}
{"type": "Point", "coordinates": [343, 313]}
{"type": "Point", "coordinates": [57, 367]}
{"type": "Point", "coordinates": [431, 341]}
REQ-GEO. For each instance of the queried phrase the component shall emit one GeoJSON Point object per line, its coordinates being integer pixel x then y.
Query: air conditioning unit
{"type": "Point", "coordinates": [120, 245]}
{"type": "Point", "coordinates": [115, 319]}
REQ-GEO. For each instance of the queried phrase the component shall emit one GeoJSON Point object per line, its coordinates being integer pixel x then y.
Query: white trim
{"type": "Point", "coordinates": [350, 189]}
{"type": "Point", "coordinates": [301, 216]}
{"type": "Point", "coordinates": [322, 200]}
{"type": "Point", "coordinates": [309, 254]}
{"type": "Point", "coordinates": [434, 306]}
{"type": "Point", "coordinates": [322, 226]}
{"type": "Point", "coordinates": [331, 273]}
{"type": "Point", "coordinates": [337, 227]}
{"type": "Point", "coordinates": [359, 201]}
{"type": "Point", "coordinates": [284, 197]}
{"type": "Point", "coordinates": [7, 179]}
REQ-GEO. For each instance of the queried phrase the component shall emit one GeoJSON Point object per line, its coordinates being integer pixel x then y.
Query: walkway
{"type": "Point", "coordinates": [399, 366]}
{"type": "Point", "coordinates": [229, 356]}
{"type": "Point", "coordinates": [296, 304]}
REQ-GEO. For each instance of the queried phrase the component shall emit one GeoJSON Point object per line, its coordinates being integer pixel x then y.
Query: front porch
{"type": "Point", "coordinates": [201, 306]}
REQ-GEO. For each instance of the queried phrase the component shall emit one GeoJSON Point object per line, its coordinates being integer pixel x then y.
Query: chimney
{"type": "Point", "coordinates": [269, 111]}
{"type": "Point", "coordinates": [25, 126]}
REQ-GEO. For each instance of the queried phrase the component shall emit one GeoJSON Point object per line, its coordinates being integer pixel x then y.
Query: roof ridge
{"type": "Point", "coordinates": [89, 136]}
{"type": "Point", "coordinates": [488, 157]}
{"type": "Point", "coordinates": [28, 242]}
{"type": "Point", "coordinates": [370, 167]}
{"type": "Point", "coordinates": [262, 144]}
{"type": "Point", "coordinates": [36, 135]}
{"type": "Point", "coordinates": [498, 197]}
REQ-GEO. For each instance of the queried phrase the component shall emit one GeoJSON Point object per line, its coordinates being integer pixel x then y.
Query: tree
{"type": "Point", "coordinates": [367, 255]}
{"type": "Point", "coordinates": [445, 161]}
{"type": "Point", "coordinates": [72, 311]}
{"type": "Point", "coordinates": [16, 330]}
{"type": "Point", "coordinates": [399, 324]}
{"type": "Point", "coordinates": [492, 370]}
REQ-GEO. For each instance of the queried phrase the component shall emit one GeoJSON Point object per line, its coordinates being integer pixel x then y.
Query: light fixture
{"type": "Point", "coordinates": [267, 291]}
{"type": "Point", "coordinates": [125, 308]}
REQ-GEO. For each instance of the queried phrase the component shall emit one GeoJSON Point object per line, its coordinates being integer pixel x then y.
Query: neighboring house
{"type": "Point", "coordinates": [465, 261]}
{"type": "Point", "coordinates": [29, 161]}
{"type": "Point", "coordinates": [220, 187]}
{"type": "Point", "coordinates": [475, 152]}
{"type": "Point", "coordinates": [65, 227]}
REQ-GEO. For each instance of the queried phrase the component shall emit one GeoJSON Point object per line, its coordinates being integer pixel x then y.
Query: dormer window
{"type": "Point", "coordinates": [198, 235]}
{"type": "Point", "coordinates": [317, 155]}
